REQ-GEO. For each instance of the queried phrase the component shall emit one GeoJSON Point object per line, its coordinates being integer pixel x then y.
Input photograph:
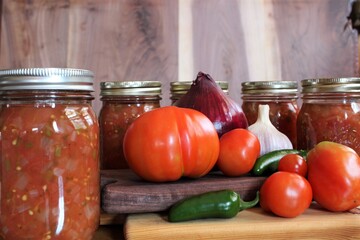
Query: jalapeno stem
{"type": "Point", "coordinates": [245, 205]}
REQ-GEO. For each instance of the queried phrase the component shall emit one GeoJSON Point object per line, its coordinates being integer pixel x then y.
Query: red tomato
{"type": "Point", "coordinates": [170, 142]}
{"type": "Point", "coordinates": [293, 163]}
{"type": "Point", "coordinates": [239, 149]}
{"type": "Point", "coordinates": [285, 194]}
{"type": "Point", "coordinates": [334, 174]}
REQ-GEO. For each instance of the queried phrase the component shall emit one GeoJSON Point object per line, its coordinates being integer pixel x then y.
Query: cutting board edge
{"type": "Point", "coordinates": [334, 225]}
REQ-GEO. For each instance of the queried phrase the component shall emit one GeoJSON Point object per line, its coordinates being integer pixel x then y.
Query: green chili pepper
{"type": "Point", "coordinates": [215, 204]}
{"type": "Point", "coordinates": [268, 163]}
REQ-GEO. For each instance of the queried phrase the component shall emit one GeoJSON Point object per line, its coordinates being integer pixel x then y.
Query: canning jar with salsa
{"type": "Point", "coordinates": [330, 112]}
{"type": "Point", "coordinates": [281, 96]}
{"type": "Point", "coordinates": [49, 153]}
{"type": "Point", "coordinates": [122, 103]}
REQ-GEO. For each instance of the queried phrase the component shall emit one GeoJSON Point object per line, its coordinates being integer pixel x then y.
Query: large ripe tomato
{"type": "Point", "coordinates": [285, 194]}
{"type": "Point", "coordinates": [170, 142]}
{"type": "Point", "coordinates": [334, 174]}
{"type": "Point", "coordinates": [293, 163]}
{"type": "Point", "coordinates": [239, 149]}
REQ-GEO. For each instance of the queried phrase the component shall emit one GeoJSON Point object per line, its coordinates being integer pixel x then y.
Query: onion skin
{"type": "Point", "coordinates": [207, 97]}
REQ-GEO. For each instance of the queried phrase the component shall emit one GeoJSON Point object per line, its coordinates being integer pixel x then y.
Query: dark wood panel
{"type": "Point", "coordinates": [233, 40]}
{"type": "Point", "coordinates": [219, 46]}
{"type": "Point", "coordinates": [120, 40]}
{"type": "Point", "coordinates": [273, 40]}
{"type": "Point", "coordinates": [136, 41]}
{"type": "Point", "coordinates": [315, 39]}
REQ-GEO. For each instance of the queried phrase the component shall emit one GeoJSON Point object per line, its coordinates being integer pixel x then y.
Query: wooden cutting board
{"type": "Point", "coordinates": [254, 223]}
{"type": "Point", "coordinates": [123, 192]}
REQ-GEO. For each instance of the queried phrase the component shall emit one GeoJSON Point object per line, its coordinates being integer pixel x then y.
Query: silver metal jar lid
{"type": "Point", "coordinates": [130, 88]}
{"type": "Point", "coordinates": [331, 85]}
{"type": "Point", "coordinates": [46, 79]}
{"type": "Point", "coordinates": [269, 87]}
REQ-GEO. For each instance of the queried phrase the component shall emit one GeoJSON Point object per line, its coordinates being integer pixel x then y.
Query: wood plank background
{"type": "Point", "coordinates": [171, 40]}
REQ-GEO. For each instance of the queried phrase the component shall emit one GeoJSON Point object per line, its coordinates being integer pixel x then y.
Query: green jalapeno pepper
{"type": "Point", "coordinates": [268, 163]}
{"type": "Point", "coordinates": [215, 204]}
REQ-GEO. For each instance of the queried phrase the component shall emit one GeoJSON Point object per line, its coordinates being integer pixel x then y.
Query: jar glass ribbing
{"type": "Point", "coordinates": [50, 176]}
{"type": "Point", "coordinates": [281, 96]}
{"type": "Point", "coordinates": [122, 103]}
{"type": "Point", "coordinates": [330, 112]}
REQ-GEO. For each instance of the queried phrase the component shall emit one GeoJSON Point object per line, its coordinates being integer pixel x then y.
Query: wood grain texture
{"type": "Point", "coordinates": [253, 223]}
{"type": "Point", "coordinates": [233, 40]}
{"type": "Point", "coordinates": [124, 192]}
{"type": "Point", "coordinates": [321, 44]}
{"type": "Point", "coordinates": [120, 40]}
{"type": "Point", "coordinates": [309, 35]}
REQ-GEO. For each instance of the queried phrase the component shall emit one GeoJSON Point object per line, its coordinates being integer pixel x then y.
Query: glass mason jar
{"type": "Point", "coordinates": [330, 112]}
{"type": "Point", "coordinates": [281, 96]}
{"type": "Point", "coordinates": [180, 88]}
{"type": "Point", "coordinates": [122, 103]}
{"type": "Point", "coordinates": [49, 153]}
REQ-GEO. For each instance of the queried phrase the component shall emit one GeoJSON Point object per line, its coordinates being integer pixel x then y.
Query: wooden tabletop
{"type": "Point", "coordinates": [109, 232]}
{"type": "Point", "coordinates": [315, 223]}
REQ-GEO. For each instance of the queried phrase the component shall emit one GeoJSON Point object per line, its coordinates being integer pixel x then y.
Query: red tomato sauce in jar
{"type": "Point", "coordinates": [123, 102]}
{"type": "Point", "coordinates": [330, 112]}
{"type": "Point", "coordinates": [50, 181]}
{"type": "Point", "coordinates": [281, 96]}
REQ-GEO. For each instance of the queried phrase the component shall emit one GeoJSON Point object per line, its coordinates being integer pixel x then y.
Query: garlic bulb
{"type": "Point", "coordinates": [270, 138]}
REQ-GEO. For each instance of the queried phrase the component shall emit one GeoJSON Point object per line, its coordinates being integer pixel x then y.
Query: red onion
{"type": "Point", "coordinates": [207, 97]}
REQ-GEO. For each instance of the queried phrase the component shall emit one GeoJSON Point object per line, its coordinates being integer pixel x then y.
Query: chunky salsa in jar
{"type": "Point", "coordinates": [49, 155]}
{"type": "Point", "coordinates": [330, 112]}
{"type": "Point", "coordinates": [281, 96]}
{"type": "Point", "coordinates": [123, 102]}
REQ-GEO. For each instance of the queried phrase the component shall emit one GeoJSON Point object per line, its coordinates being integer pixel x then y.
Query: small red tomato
{"type": "Point", "coordinates": [293, 163]}
{"type": "Point", "coordinates": [239, 149]}
{"type": "Point", "coordinates": [285, 194]}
